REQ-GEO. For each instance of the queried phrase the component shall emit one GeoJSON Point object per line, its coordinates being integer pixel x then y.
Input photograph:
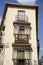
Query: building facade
{"type": "Point", "coordinates": [41, 60]}
{"type": "Point", "coordinates": [19, 33]}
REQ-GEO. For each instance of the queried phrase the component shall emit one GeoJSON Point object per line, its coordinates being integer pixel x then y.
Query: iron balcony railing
{"type": "Point", "coordinates": [22, 62]}
{"type": "Point", "coordinates": [21, 38]}
{"type": "Point", "coordinates": [21, 18]}
{"type": "Point", "coordinates": [21, 54]}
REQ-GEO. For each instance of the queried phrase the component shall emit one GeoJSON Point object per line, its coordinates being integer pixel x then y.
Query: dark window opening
{"type": "Point", "coordinates": [21, 28]}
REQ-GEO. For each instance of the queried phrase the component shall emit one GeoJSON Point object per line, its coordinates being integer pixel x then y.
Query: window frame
{"type": "Point", "coordinates": [21, 11]}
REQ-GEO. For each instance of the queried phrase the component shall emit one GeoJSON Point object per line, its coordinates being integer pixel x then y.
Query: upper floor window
{"type": "Point", "coordinates": [21, 29]}
{"type": "Point", "coordinates": [21, 15]}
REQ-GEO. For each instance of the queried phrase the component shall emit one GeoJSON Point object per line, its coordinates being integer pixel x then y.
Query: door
{"type": "Point", "coordinates": [20, 54]}
{"type": "Point", "coordinates": [20, 62]}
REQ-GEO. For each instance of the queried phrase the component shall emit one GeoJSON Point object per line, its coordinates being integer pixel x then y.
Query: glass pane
{"type": "Point", "coordinates": [14, 55]}
{"type": "Point", "coordinates": [21, 15]}
{"type": "Point", "coordinates": [26, 55]}
{"type": "Point", "coordinates": [20, 55]}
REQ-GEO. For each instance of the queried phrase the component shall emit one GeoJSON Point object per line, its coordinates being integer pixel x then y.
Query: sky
{"type": "Point", "coordinates": [40, 16]}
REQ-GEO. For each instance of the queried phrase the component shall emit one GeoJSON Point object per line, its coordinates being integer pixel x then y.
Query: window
{"type": "Point", "coordinates": [20, 53]}
{"type": "Point", "coordinates": [21, 29]}
{"type": "Point", "coordinates": [35, 62]}
{"type": "Point", "coordinates": [20, 62]}
{"type": "Point", "coordinates": [21, 15]}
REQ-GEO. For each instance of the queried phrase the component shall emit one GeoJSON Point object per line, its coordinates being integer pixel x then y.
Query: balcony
{"type": "Point", "coordinates": [22, 62]}
{"type": "Point", "coordinates": [21, 54]}
{"type": "Point", "coordinates": [21, 20]}
{"type": "Point", "coordinates": [21, 38]}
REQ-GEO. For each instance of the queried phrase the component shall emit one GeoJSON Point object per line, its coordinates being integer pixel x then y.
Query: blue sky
{"type": "Point", "coordinates": [40, 19]}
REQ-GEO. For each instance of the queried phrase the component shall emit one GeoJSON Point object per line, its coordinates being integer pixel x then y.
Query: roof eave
{"type": "Point", "coordinates": [16, 5]}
